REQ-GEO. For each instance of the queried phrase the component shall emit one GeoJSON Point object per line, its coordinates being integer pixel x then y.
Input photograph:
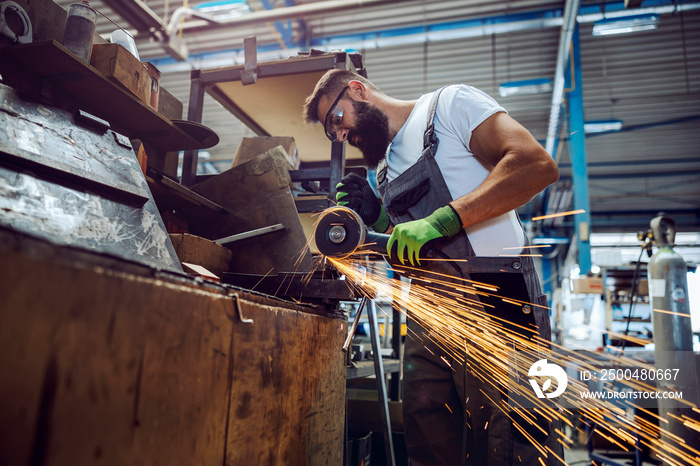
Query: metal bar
{"type": "Point", "coordinates": [395, 377]}
{"type": "Point", "coordinates": [337, 167]}
{"type": "Point", "coordinates": [353, 328]}
{"type": "Point", "coordinates": [310, 174]}
{"type": "Point", "coordinates": [273, 69]}
{"type": "Point", "coordinates": [237, 301]}
{"type": "Point", "coordinates": [185, 192]}
{"type": "Point", "coordinates": [567, 30]}
{"type": "Point", "coordinates": [577, 149]}
{"type": "Point", "coordinates": [381, 384]}
{"type": "Point", "coordinates": [249, 75]}
{"type": "Point", "coordinates": [195, 110]}
{"type": "Point", "coordinates": [250, 234]}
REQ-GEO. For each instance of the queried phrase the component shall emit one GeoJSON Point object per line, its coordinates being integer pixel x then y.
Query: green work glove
{"type": "Point", "coordinates": [412, 236]}
{"type": "Point", "coordinates": [356, 193]}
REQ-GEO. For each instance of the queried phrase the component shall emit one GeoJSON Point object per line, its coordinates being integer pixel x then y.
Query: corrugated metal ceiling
{"type": "Point", "coordinates": [650, 80]}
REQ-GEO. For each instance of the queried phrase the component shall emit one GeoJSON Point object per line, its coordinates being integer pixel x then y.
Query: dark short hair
{"type": "Point", "coordinates": [330, 84]}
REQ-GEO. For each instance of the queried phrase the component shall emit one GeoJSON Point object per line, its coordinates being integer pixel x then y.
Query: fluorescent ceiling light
{"type": "Point", "coordinates": [526, 87]}
{"type": "Point", "coordinates": [609, 26]}
{"type": "Point", "coordinates": [602, 126]}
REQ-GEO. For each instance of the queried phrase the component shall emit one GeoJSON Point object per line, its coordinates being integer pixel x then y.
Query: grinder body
{"type": "Point", "coordinates": [341, 232]}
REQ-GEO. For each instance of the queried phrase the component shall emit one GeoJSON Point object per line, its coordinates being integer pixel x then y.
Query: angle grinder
{"type": "Point", "coordinates": [340, 232]}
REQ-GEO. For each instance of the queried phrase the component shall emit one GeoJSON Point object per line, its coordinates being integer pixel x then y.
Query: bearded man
{"type": "Point", "coordinates": [452, 167]}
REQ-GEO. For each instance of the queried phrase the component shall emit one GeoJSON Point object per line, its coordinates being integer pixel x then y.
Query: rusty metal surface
{"type": "Point", "coordinates": [76, 185]}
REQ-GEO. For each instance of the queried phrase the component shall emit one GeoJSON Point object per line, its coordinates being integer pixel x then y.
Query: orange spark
{"type": "Point", "coordinates": [560, 214]}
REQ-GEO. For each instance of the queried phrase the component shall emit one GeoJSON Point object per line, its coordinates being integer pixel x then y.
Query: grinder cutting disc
{"type": "Point", "coordinates": [339, 232]}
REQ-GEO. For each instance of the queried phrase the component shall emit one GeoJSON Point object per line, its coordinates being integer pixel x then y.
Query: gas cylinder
{"type": "Point", "coordinates": [668, 288]}
{"type": "Point", "coordinates": [673, 335]}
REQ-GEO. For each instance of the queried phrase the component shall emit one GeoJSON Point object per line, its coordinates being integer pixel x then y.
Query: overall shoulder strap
{"type": "Point", "coordinates": [429, 138]}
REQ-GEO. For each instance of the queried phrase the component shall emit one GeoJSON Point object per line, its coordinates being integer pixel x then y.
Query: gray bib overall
{"type": "Point", "coordinates": [435, 434]}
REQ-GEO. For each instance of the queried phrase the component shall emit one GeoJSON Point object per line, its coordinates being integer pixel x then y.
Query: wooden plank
{"type": "Point", "coordinates": [99, 95]}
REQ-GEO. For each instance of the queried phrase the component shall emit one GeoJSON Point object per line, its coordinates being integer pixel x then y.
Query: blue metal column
{"type": "Point", "coordinates": [577, 150]}
{"type": "Point", "coordinates": [547, 278]}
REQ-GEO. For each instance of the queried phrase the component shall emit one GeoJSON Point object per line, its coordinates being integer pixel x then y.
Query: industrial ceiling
{"type": "Point", "coordinates": [650, 80]}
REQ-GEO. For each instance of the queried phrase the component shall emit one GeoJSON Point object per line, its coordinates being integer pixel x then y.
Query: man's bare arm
{"type": "Point", "coordinates": [521, 169]}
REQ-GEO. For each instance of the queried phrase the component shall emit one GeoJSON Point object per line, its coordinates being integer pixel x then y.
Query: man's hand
{"type": "Point", "coordinates": [412, 236]}
{"type": "Point", "coordinates": [356, 193]}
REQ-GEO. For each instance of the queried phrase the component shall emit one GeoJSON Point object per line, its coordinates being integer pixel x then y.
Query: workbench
{"type": "Point", "coordinates": [111, 361]}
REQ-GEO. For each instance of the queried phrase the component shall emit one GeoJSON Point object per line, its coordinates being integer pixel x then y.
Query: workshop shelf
{"type": "Point", "coordinates": [104, 98]}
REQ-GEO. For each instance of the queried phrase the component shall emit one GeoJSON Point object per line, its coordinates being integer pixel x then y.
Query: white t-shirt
{"type": "Point", "coordinates": [459, 111]}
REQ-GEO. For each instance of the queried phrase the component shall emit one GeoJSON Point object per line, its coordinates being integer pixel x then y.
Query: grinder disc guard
{"type": "Point", "coordinates": [339, 232]}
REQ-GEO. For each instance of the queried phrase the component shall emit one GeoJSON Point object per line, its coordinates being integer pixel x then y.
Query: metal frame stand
{"type": "Point", "coordinates": [613, 458]}
{"type": "Point", "coordinates": [381, 383]}
{"type": "Point", "coordinates": [379, 376]}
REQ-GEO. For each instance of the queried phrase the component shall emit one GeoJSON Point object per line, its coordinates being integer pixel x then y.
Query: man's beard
{"type": "Point", "coordinates": [371, 132]}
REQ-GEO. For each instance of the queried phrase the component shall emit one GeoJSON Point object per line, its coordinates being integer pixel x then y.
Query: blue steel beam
{"type": "Point", "coordinates": [627, 163]}
{"type": "Point", "coordinates": [631, 175]}
{"type": "Point", "coordinates": [577, 149]}
{"type": "Point", "coordinates": [451, 30]}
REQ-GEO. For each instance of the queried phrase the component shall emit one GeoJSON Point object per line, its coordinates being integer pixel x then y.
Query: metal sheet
{"type": "Point", "coordinates": [75, 186]}
{"type": "Point", "coordinates": [257, 195]}
{"type": "Point", "coordinates": [308, 288]}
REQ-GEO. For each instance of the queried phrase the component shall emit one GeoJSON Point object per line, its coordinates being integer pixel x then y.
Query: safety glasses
{"type": "Point", "coordinates": [334, 117]}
